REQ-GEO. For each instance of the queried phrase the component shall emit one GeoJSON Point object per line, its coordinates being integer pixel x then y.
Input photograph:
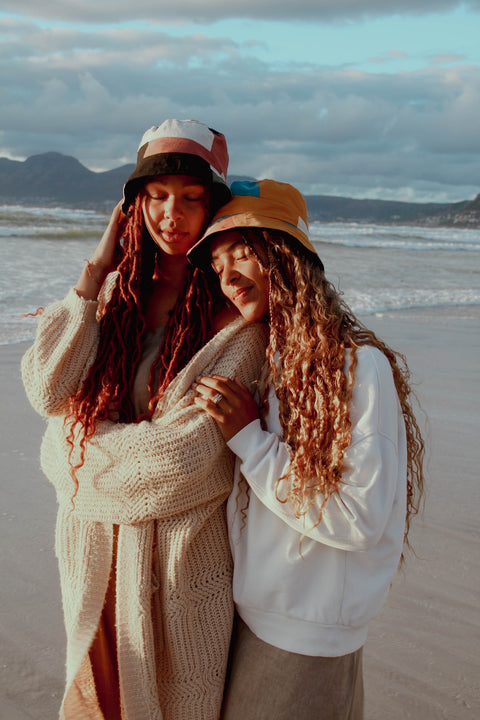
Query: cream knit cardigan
{"type": "Point", "coordinates": [164, 483]}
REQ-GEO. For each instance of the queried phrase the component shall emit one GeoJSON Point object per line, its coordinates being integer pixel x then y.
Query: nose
{"type": "Point", "coordinates": [229, 273]}
{"type": "Point", "coordinates": [172, 209]}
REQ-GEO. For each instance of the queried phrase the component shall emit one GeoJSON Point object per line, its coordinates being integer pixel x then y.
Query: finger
{"type": "Point", "coordinates": [216, 382]}
{"type": "Point", "coordinates": [233, 383]}
{"type": "Point", "coordinates": [208, 393]}
{"type": "Point", "coordinates": [213, 409]}
{"type": "Point", "coordinates": [233, 391]}
{"type": "Point", "coordinates": [212, 390]}
{"type": "Point", "coordinates": [236, 394]}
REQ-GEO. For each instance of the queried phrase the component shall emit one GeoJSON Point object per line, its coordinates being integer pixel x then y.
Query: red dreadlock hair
{"type": "Point", "coordinates": [107, 390]}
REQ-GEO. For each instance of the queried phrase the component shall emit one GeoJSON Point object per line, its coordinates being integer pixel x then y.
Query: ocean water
{"type": "Point", "coordinates": [378, 269]}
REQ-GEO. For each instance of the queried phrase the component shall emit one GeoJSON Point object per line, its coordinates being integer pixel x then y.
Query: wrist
{"type": "Point", "coordinates": [96, 271]}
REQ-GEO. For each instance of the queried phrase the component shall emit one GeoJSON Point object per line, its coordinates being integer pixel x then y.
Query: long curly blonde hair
{"type": "Point", "coordinates": [311, 328]}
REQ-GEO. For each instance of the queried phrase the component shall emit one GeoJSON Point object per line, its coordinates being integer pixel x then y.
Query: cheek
{"type": "Point", "coordinates": [197, 217]}
{"type": "Point", "coordinates": [264, 286]}
{"type": "Point", "coordinates": [203, 215]}
{"type": "Point", "coordinates": [149, 213]}
{"type": "Point", "coordinates": [223, 289]}
{"type": "Point", "coordinates": [266, 297]}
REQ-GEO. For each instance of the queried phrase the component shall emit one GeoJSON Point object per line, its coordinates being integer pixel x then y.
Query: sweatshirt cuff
{"type": "Point", "coordinates": [241, 443]}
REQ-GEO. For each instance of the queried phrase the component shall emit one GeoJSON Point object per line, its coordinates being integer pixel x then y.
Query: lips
{"type": "Point", "coordinates": [240, 294]}
{"type": "Point", "coordinates": [173, 235]}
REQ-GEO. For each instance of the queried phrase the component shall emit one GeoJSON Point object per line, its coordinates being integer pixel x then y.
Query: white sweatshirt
{"type": "Point", "coordinates": [317, 597]}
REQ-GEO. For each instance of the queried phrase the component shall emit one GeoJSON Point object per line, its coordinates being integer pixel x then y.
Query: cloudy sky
{"type": "Point", "coordinates": [362, 98]}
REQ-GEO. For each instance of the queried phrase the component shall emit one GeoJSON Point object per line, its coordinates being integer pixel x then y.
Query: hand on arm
{"type": "Point", "coordinates": [228, 402]}
{"type": "Point", "coordinates": [153, 469]}
{"type": "Point", "coordinates": [105, 257]}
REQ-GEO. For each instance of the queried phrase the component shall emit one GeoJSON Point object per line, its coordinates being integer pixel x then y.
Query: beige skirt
{"type": "Point", "coordinates": [266, 683]}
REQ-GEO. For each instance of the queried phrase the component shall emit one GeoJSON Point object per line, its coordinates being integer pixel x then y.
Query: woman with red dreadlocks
{"type": "Point", "coordinates": [141, 474]}
{"type": "Point", "coordinates": [329, 467]}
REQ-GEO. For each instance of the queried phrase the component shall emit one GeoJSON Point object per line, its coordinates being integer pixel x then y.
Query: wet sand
{"type": "Point", "coordinates": [422, 658]}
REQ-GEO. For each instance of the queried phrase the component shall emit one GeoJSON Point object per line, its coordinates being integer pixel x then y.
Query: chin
{"type": "Point", "coordinates": [252, 314]}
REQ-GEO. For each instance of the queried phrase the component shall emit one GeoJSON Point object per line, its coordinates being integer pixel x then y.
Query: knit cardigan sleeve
{"type": "Point", "coordinates": [54, 367]}
{"type": "Point", "coordinates": [156, 469]}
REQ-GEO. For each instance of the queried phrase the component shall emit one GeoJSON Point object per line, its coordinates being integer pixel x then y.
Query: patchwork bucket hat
{"type": "Point", "coordinates": [181, 147]}
{"type": "Point", "coordinates": [262, 204]}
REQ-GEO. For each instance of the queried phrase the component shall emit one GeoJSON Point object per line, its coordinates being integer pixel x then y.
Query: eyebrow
{"type": "Point", "coordinates": [191, 184]}
{"type": "Point", "coordinates": [228, 249]}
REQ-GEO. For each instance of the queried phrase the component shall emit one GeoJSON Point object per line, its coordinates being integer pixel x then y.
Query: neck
{"type": "Point", "coordinates": [171, 270]}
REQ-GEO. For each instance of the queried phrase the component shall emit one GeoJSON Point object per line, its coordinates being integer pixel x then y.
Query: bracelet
{"type": "Point", "coordinates": [90, 273]}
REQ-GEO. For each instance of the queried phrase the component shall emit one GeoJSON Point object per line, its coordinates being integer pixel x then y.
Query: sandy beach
{"type": "Point", "coordinates": [422, 658]}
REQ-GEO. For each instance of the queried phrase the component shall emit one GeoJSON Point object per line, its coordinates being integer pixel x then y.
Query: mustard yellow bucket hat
{"type": "Point", "coordinates": [263, 204]}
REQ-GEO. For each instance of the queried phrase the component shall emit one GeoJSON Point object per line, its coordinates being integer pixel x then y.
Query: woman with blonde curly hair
{"type": "Point", "coordinates": [329, 467]}
{"type": "Point", "coordinates": [141, 475]}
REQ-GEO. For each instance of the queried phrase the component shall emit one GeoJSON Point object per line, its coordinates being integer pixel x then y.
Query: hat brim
{"type": "Point", "coordinates": [176, 164]}
{"type": "Point", "coordinates": [199, 254]}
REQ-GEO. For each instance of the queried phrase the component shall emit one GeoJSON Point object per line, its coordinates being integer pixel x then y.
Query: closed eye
{"type": "Point", "coordinates": [217, 269]}
{"type": "Point", "coordinates": [189, 197]}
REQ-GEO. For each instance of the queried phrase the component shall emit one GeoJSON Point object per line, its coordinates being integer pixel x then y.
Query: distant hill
{"type": "Point", "coordinates": [55, 179]}
{"type": "Point", "coordinates": [326, 208]}
{"type": "Point", "coordinates": [466, 216]}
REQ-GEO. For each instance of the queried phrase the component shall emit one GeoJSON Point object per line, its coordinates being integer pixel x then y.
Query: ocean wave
{"type": "Point", "coordinates": [46, 254]}
{"type": "Point", "coordinates": [374, 302]}
{"type": "Point", "coordinates": [389, 237]}
{"type": "Point", "coordinates": [50, 223]}
{"type": "Point", "coordinates": [10, 213]}
{"type": "Point", "coordinates": [52, 233]}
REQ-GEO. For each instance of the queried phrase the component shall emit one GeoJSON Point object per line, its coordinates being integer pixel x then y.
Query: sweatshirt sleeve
{"type": "Point", "coordinates": [155, 469]}
{"type": "Point", "coordinates": [54, 367]}
{"type": "Point", "coordinates": [354, 518]}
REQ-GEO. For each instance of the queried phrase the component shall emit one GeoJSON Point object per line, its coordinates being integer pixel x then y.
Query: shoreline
{"type": "Point", "coordinates": [421, 313]}
{"type": "Point", "coordinates": [421, 656]}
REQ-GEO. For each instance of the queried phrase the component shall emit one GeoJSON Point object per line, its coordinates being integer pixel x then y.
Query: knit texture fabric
{"type": "Point", "coordinates": [164, 482]}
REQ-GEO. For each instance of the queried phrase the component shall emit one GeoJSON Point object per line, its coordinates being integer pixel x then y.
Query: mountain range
{"type": "Point", "coordinates": [55, 179]}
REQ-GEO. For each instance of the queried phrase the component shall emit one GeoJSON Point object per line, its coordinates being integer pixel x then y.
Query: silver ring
{"type": "Point", "coordinates": [217, 398]}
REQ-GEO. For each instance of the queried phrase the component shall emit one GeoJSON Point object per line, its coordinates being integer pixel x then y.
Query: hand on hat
{"type": "Point", "coordinates": [106, 256]}
{"type": "Point", "coordinates": [108, 252]}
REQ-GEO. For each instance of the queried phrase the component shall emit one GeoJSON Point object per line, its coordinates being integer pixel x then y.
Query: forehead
{"type": "Point", "coordinates": [225, 242]}
{"type": "Point", "coordinates": [174, 181]}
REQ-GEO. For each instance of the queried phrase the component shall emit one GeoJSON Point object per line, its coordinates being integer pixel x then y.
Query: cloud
{"type": "Point", "coordinates": [378, 136]}
{"type": "Point", "coordinates": [209, 11]}
{"type": "Point", "coordinates": [92, 93]}
{"type": "Point", "coordinates": [389, 56]}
